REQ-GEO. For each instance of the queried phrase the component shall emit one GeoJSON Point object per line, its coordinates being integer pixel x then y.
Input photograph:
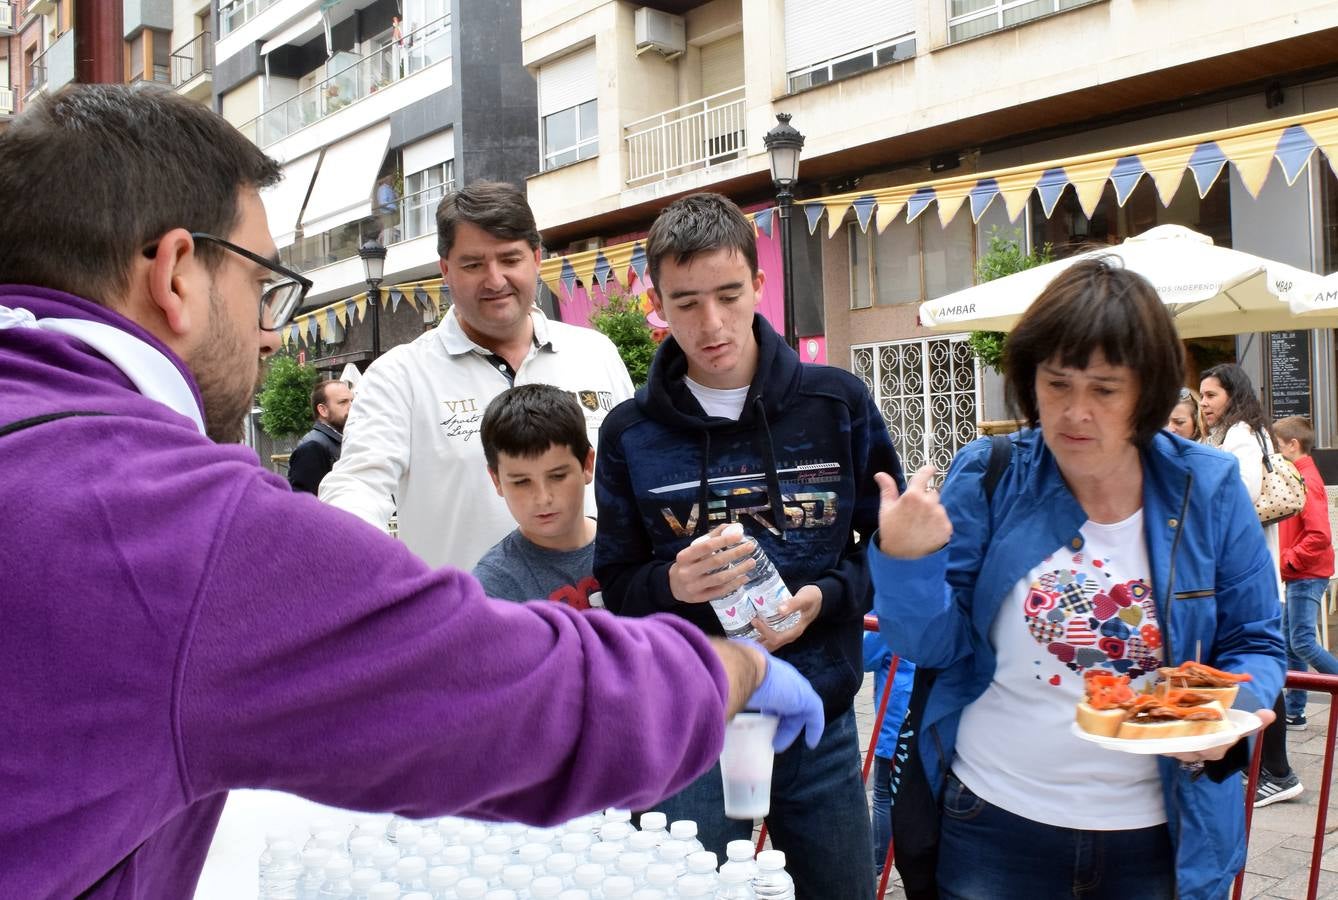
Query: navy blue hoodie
{"type": "Point", "coordinates": [796, 470]}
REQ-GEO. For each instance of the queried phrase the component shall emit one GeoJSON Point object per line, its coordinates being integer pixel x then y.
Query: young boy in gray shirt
{"type": "Point", "coordinates": [540, 460]}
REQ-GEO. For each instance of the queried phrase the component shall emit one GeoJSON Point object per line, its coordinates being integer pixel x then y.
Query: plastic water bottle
{"type": "Point", "coordinates": [633, 865]}
{"type": "Point", "coordinates": [362, 848]}
{"type": "Point", "coordinates": [734, 885]}
{"type": "Point", "coordinates": [449, 828]}
{"type": "Point", "coordinates": [588, 876]}
{"type": "Point", "coordinates": [576, 843]}
{"type": "Point", "coordinates": [686, 830]}
{"type": "Point", "coordinates": [471, 888]}
{"type": "Point", "coordinates": [472, 836]}
{"type": "Point", "coordinates": [489, 867]}
{"type": "Point", "coordinates": [430, 846]}
{"type": "Point", "coordinates": [407, 838]}
{"type": "Point", "coordinates": [337, 884]}
{"type": "Point", "coordinates": [675, 853]}
{"type": "Point", "coordinates": [764, 588]}
{"type": "Point", "coordinates": [457, 855]}
{"type": "Point", "coordinates": [736, 618]}
{"type": "Point", "coordinates": [605, 856]}
{"type": "Point", "coordinates": [702, 864]}
{"type": "Point", "coordinates": [309, 883]}
{"type": "Point", "coordinates": [385, 890]}
{"type": "Point", "coordinates": [739, 856]}
{"type": "Point", "coordinates": [441, 881]}
{"type": "Point", "coordinates": [662, 876]}
{"type": "Point", "coordinates": [655, 823]}
{"type": "Point", "coordinates": [498, 845]}
{"type": "Point", "coordinates": [772, 882]}
{"type": "Point", "coordinates": [384, 860]}
{"type": "Point", "coordinates": [546, 887]}
{"type": "Point", "coordinates": [644, 842]}
{"type": "Point", "coordinates": [517, 877]}
{"type": "Point", "coordinates": [695, 887]}
{"type": "Point", "coordinates": [561, 866]}
{"type": "Point", "coordinates": [533, 854]}
{"type": "Point", "coordinates": [411, 873]}
{"type": "Point", "coordinates": [363, 880]}
{"type": "Point", "coordinates": [283, 871]}
{"type": "Point", "coordinates": [617, 887]}
{"type": "Point", "coordinates": [267, 856]}
{"type": "Point", "coordinates": [393, 828]}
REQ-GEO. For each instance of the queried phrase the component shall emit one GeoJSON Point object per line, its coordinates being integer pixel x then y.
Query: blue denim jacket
{"type": "Point", "coordinates": [1212, 577]}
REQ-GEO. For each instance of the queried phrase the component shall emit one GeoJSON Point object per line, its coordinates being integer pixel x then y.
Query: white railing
{"type": "Point", "coordinates": [696, 135]}
{"type": "Point", "coordinates": [6, 101]}
{"type": "Point", "coordinates": [419, 49]}
{"type": "Point", "coordinates": [7, 16]}
{"type": "Point", "coordinates": [192, 58]}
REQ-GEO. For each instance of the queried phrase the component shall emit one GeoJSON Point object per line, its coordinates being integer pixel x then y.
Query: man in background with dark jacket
{"type": "Point", "coordinates": [732, 428]}
{"type": "Point", "coordinates": [317, 452]}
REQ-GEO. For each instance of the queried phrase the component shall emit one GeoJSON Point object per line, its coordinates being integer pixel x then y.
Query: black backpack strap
{"type": "Point", "coordinates": [21, 424]}
{"type": "Point", "coordinates": [1001, 454]}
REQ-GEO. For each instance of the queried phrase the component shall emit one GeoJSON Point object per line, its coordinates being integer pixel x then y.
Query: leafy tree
{"type": "Point", "coordinates": [1004, 257]}
{"type": "Point", "coordinates": [622, 320]}
{"type": "Point", "coordinates": [285, 398]}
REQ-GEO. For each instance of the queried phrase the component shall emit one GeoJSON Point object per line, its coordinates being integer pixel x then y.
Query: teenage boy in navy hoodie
{"type": "Point", "coordinates": [732, 428]}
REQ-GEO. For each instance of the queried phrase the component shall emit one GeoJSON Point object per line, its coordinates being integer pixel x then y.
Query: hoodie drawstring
{"type": "Point", "coordinates": [703, 489]}
{"type": "Point", "coordinates": [773, 476]}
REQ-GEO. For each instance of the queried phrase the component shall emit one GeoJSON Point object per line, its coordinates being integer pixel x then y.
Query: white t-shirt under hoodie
{"type": "Point", "coordinates": [1081, 608]}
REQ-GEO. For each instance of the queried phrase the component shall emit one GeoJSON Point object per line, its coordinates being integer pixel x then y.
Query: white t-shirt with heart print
{"type": "Point", "coordinates": [1082, 607]}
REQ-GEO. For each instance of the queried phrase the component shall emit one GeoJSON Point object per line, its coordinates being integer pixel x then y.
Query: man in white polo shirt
{"type": "Point", "coordinates": [411, 441]}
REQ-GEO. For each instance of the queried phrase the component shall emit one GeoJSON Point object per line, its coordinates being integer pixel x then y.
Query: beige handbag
{"type": "Point", "coordinates": [1282, 494]}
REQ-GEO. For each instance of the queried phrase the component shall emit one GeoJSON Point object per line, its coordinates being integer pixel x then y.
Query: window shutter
{"type": "Point", "coordinates": [818, 30]}
{"type": "Point", "coordinates": [567, 82]}
{"type": "Point", "coordinates": [722, 65]}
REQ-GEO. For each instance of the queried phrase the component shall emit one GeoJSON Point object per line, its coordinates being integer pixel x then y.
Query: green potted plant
{"type": "Point", "coordinates": [1004, 257]}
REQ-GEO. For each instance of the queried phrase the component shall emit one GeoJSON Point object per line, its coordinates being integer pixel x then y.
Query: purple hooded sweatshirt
{"type": "Point", "coordinates": [175, 622]}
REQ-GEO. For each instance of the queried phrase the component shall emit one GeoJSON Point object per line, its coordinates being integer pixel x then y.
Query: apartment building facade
{"type": "Point", "coordinates": [930, 125]}
{"type": "Point", "coordinates": [376, 109]}
{"type": "Point", "coordinates": [46, 44]}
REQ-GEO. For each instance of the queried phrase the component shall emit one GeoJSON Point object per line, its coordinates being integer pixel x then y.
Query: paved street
{"type": "Point", "coordinates": [1282, 835]}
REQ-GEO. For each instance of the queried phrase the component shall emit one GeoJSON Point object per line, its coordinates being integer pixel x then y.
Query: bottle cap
{"type": "Point", "coordinates": [734, 875]}
{"type": "Point", "coordinates": [545, 886]}
{"type": "Point", "coordinates": [517, 875]}
{"type": "Point", "coordinates": [653, 821]}
{"type": "Point", "coordinates": [284, 849]}
{"type": "Point", "coordinates": [339, 867]}
{"type": "Point", "coordinates": [471, 888]}
{"type": "Point", "coordinates": [660, 875]}
{"type": "Point", "coordinates": [384, 856]}
{"type": "Point", "coordinates": [320, 825]}
{"type": "Point", "coordinates": [363, 880]}
{"type": "Point", "coordinates": [364, 845]}
{"type": "Point", "coordinates": [441, 877]}
{"type": "Point", "coordinates": [408, 833]}
{"type": "Point", "coordinates": [410, 868]}
{"type": "Point", "coordinates": [449, 826]}
{"type": "Point", "coordinates": [618, 886]}
{"type": "Point", "coordinates": [588, 875]}
{"type": "Point", "coordinates": [429, 845]}
{"type": "Point", "coordinates": [386, 890]}
{"type": "Point", "coordinates": [644, 840]}
{"type": "Point", "coordinates": [733, 531]}
{"type": "Point", "coordinates": [739, 850]}
{"type": "Point", "coordinates": [316, 857]}
{"type": "Point", "coordinates": [604, 853]}
{"type": "Point", "coordinates": [489, 865]}
{"type": "Point", "coordinates": [691, 887]}
{"type": "Point", "coordinates": [703, 862]}
{"type": "Point", "coordinates": [617, 815]}
{"type": "Point", "coordinates": [561, 864]}
{"type": "Point", "coordinates": [456, 856]}
{"type": "Point", "coordinates": [683, 829]}
{"type": "Point", "coordinates": [771, 859]}
{"type": "Point", "coordinates": [532, 854]}
{"type": "Point", "coordinates": [497, 843]}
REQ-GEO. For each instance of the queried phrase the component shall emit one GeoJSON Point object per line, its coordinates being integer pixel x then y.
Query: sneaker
{"type": "Point", "coordinates": [1272, 789]}
{"type": "Point", "coordinates": [1296, 723]}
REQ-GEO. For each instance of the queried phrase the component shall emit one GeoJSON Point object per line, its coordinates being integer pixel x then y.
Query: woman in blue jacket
{"type": "Point", "coordinates": [1107, 544]}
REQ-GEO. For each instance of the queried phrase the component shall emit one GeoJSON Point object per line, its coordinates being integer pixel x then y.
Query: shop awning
{"type": "Point", "coordinates": [1252, 149]}
{"type": "Point", "coordinates": [421, 295]}
{"type": "Point", "coordinates": [343, 189]}
{"type": "Point", "coordinates": [283, 201]}
{"type": "Point", "coordinates": [297, 34]}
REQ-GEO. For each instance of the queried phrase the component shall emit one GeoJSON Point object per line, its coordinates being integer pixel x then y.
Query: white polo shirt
{"type": "Point", "coordinates": [412, 437]}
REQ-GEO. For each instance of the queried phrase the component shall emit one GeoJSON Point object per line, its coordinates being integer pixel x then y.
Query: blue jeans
{"type": "Point", "coordinates": [986, 853]}
{"type": "Point", "coordinates": [882, 811]}
{"type": "Point", "coordinates": [818, 815]}
{"type": "Point", "coordinates": [1300, 616]}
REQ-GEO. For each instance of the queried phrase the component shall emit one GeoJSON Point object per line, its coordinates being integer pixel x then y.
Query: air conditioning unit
{"type": "Point", "coordinates": [660, 31]}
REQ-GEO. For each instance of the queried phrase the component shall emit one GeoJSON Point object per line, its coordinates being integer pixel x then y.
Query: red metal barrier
{"type": "Point", "coordinates": [1306, 681]}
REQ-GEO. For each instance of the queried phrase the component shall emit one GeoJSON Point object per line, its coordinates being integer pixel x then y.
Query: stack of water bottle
{"type": "Point", "coordinates": [599, 857]}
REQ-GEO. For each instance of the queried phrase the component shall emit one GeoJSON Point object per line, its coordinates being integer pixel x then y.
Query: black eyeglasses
{"type": "Point", "coordinates": [282, 296]}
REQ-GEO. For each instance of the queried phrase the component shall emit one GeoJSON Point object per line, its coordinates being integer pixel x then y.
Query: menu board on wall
{"type": "Point", "coordinates": [1289, 374]}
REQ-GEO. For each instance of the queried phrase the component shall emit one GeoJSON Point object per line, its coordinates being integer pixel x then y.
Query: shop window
{"type": "Point", "coordinates": [910, 262]}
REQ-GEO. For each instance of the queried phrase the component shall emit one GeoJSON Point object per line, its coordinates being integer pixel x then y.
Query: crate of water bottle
{"type": "Point", "coordinates": [596, 857]}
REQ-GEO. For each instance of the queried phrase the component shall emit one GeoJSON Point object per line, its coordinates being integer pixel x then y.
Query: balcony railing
{"type": "Point", "coordinates": [696, 135]}
{"type": "Point", "coordinates": [6, 101]}
{"type": "Point", "coordinates": [7, 17]}
{"type": "Point", "coordinates": [36, 76]}
{"type": "Point", "coordinates": [415, 215]}
{"type": "Point", "coordinates": [192, 58]}
{"type": "Point", "coordinates": [234, 16]}
{"type": "Point", "coordinates": [419, 49]}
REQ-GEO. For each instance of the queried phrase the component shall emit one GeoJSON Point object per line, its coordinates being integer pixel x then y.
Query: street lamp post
{"type": "Point", "coordinates": [784, 144]}
{"type": "Point", "coordinates": [374, 266]}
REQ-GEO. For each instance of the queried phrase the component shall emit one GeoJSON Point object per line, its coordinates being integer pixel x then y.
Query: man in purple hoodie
{"type": "Point", "coordinates": [171, 625]}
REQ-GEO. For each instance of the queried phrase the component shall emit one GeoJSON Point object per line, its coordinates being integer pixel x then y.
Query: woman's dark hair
{"type": "Point", "coordinates": [495, 206]}
{"type": "Point", "coordinates": [527, 420]}
{"type": "Point", "coordinates": [1244, 406]}
{"type": "Point", "coordinates": [95, 173]}
{"type": "Point", "coordinates": [1099, 305]}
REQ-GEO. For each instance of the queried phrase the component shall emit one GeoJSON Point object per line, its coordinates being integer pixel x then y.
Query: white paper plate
{"type": "Point", "coordinates": [1242, 723]}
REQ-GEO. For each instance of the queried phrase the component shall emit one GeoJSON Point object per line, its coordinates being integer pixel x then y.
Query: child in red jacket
{"type": "Point", "coordinates": [1307, 563]}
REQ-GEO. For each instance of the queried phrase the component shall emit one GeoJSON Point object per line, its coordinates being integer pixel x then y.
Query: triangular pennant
{"type": "Point", "coordinates": [1325, 135]}
{"type": "Point", "coordinates": [568, 278]}
{"type": "Point", "coordinates": [1167, 169]}
{"type": "Point", "coordinates": [583, 264]}
{"type": "Point", "coordinates": [888, 209]}
{"type": "Point", "coordinates": [1016, 191]}
{"type": "Point", "coordinates": [313, 328]}
{"type": "Point", "coordinates": [836, 214]}
{"type": "Point", "coordinates": [864, 208]}
{"type": "Point", "coordinates": [918, 202]}
{"type": "Point", "coordinates": [331, 325]}
{"type": "Point", "coordinates": [1125, 176]}
{"type": "Point", "coordinates": [360, 304]}
{"type": "Point", "coordinates": [814, 212]}
{"type": "Point", "coordinates": [1294, 150]}
{"type": "Point", "coordinates": [1206, 162]}
{"type": "Point", "coordinates": [341, 313]}
{"type": "Point", "coordinates": [638, 260]}
{"type": "Point", "coordinates": [1050, 188]}
{"type": "Point", "coordinates": [763, 220]}
{"type": "Point", "coordinates": [421, 298]}
{"type": "Point", "coordinates": [443, 298]}
{"type": "Point", "coordinates": [289, 335]}
{"type": "Point", "coordinates": [602, 270]}
{"type": "Point", "coordinates": [950, 200]}
{"type": "Point", "coordinates": [1252, 155]}
{"type": "Point", "coordinates": [1089, 181]}
{"type": "Point", "coordinates": [396, 298]}
{"type": "Point", "coordinates": [619, 256]}
{"type": "Point", "coordinates": [982, 195]}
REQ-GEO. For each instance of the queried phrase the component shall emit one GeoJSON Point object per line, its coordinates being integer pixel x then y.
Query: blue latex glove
{"type": "Point", "coordinates": [786, 694]}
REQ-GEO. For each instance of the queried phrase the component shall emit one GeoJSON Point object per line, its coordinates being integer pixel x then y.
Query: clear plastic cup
{"type": "Point", "coordinates": [745, 765]}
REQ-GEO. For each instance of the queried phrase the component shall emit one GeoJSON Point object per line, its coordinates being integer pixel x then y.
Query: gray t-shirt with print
{"type": "Point", "coordinates": [518, 569]}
